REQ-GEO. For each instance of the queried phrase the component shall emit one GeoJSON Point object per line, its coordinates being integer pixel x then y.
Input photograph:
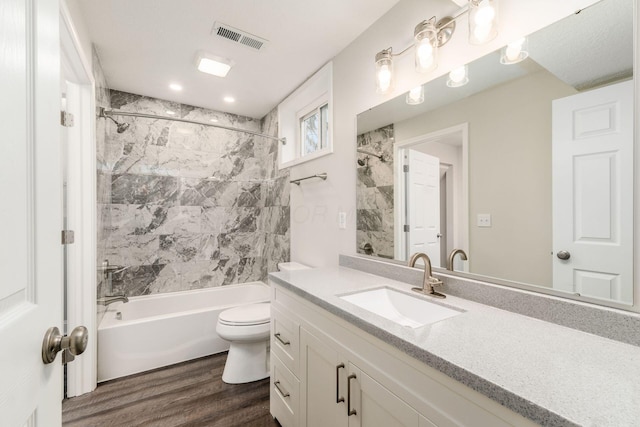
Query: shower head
{"type": "Point", "coordinates": [120, 127]}
{"type": "Point", "coordinates": [361, 162]}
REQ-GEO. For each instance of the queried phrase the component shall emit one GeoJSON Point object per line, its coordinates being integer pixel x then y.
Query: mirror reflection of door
{"type": "Point", "coordinates": [422, 173]}
{"type": "Point", "coordinates": [431, 196]}
{"type": "Point", "coordinates": [593, 193]}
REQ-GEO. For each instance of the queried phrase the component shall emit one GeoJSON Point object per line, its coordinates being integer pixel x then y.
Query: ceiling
{"type": "Point", "coordinates": [144, 45]}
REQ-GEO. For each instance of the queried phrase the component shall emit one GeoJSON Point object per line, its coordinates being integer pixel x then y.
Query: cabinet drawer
{"type": "Point", "coordinates": [284, 395]}
{"type": "Point", "coordinates": [285, 339]}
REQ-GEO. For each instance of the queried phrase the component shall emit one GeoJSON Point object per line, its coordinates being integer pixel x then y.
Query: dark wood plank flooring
{"type": "Point", "coordinates": [187, 394]}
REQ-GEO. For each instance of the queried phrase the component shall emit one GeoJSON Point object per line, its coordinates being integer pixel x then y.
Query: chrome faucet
{"type": "Point", "coordinates": [110, 299]}
{"type": "Point", "coordinates": [429, 281]}
{"type": "Point", "coordinates": [452, 255]}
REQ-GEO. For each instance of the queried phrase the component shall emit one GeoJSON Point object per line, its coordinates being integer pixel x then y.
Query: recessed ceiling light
{"type": "Point", "coordinates": [175, 86]}
{"type": "Point", "coordinates": [229, 99]}
{"type": "Point", "coordinates": [171, 113]}
{"type": "Point", "coordinates": [214, 65]}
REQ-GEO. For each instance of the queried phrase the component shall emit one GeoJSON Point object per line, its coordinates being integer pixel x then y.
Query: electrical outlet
{"type": "Point", "coordinates": [342, 220]}
{"type": "Point", "coordinates": [484, 220]}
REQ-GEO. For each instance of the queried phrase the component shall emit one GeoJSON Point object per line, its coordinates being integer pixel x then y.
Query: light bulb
{"type": "Point", "coordinates": [384, 71]}
{"type": "Point", "coordinates": [485, 14]}
{"type": "Point", "coordinates": [424, 54]}
{"type": "Point", "coordinates": [514, 52]}
{"type": "Point", "coordinates": [384, 78]}
{"type": "Point", "coordinates": [415, 96]}
{"type": "Point", "coordinates": [425, 38]}
{"type": "Point", "coordinates": [458, 77]}
{"type": "Point", "coordinates": [483, 17]}
{"type": "Point", "coordinates": [458, 74]}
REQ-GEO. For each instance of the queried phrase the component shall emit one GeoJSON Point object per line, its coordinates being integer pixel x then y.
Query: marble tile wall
{"type": "Point", "coordinates": [192, 206]}
{"type": "Point", "coordinates": [103, 183]}
{"type": "Point", "coordinates": [374, 194]}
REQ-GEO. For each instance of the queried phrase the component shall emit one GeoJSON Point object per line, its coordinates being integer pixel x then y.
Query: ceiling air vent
{"type": "Point", "coordinates": [238, 36]}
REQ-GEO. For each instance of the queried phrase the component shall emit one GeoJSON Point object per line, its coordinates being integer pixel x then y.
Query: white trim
{"type": "Point", "coordinates": [461, 232]}
{"type": "Point", "coordinates": [81, 204]}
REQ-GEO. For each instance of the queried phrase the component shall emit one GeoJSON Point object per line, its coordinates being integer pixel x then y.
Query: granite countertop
{"type": "Point", "coordinates": [551, 374]}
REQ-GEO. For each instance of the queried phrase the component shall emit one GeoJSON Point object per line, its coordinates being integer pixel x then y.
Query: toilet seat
{"type": "Point", "coordinates": [247, 315]}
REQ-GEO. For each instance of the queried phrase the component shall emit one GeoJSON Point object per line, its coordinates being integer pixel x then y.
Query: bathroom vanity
{"type": "Point", "coordinates": [336, 363]}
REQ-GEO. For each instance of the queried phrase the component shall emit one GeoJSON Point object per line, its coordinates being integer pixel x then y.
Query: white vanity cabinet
{"type": "Point", "coordinates": [337, 369]}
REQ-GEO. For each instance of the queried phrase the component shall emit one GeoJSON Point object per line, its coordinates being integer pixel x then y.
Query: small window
{"type": "Point", "coordinates": [304, 120]}
{"type": "Point", "coordinates": [314, 130]}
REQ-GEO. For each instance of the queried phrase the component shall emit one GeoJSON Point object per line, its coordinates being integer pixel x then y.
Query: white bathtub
{"type": "Point", "coordinates": [159, 330]}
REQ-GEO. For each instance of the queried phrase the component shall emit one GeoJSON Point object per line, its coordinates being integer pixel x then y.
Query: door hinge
{"type": "Point", "coordinates": [66, 119]}
{"type": "Point", "coordinates": [68, 237]}
{"type": "Point", "coordinates": [405, 168]}
{"type": "Point", "coordinates": [406, 228]}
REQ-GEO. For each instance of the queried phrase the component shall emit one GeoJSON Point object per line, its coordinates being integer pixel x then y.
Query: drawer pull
{"type": "Point", "coordinates": [280, 390]}
{"type": "Point", "coordinates": [349, 410]}
{"type": "Point", "coordinates": [338, 397]}
{"type": "Point", "coordinates": [283, 342]}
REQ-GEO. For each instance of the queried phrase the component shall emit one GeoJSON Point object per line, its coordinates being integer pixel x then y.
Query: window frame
{"type": "Point", "coordinates": [310, 97]}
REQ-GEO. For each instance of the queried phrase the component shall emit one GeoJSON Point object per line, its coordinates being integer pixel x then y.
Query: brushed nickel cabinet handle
{"type": "Point", "coordinates": [349, 410]}
{"type": "Point", "coordinates": [283, 342]}
{"type": "Point", "coordinates": [280, 390]}
{"type": "Point", "coordinates": [338, 397]}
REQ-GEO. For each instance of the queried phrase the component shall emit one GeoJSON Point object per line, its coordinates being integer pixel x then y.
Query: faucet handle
{"type": "Point", "coordinates": [435, 282]}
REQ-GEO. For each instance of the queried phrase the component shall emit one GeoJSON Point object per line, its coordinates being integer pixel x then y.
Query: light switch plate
{"type": "Point", "coordinates": [484, 220]}
{"type": "Point", "coordinates": [342, 220]}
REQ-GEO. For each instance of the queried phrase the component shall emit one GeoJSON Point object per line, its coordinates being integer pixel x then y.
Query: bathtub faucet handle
{"type": "Point", "coordinates": [110, 299]}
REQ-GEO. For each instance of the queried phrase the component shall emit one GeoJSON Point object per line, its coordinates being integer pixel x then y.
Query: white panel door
{"type": "Point", "coordinates": [593, 193]}
{"type": "Point", "coordinates": [31, 213]}
{"type": "Point", "coordinates": [423, 205]}
{"type": "Point", "coordinates": [372, 405]}
{"type": "Point", "coordinates": [323, 383]}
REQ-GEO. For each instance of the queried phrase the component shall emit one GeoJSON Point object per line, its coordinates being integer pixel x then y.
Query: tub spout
{"type": "Point", "coordinates": [110, 299]}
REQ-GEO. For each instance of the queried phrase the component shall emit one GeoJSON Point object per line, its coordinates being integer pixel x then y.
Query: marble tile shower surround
{"type": "Point", "coordinates": [193, 206]}
{"type": "Point", "coordinates": [374, 203]}
{"type": "Point", "coordinates": [103, 182]}
{"type": "Point", "coordinates": [618, 325]}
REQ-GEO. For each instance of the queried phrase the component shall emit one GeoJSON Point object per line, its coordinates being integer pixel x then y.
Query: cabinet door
{"type": "Point", "coordinates": [375, 406]}
{"type": "Point", "coordinates": [323, 382]}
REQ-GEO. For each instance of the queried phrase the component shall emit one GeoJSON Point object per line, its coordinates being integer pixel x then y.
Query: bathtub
{"type": "Point", "coordinates": [152, 331]}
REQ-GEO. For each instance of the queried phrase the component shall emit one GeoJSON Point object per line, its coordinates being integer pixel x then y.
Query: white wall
{"type": "Point", "coordinates": [316, 239]}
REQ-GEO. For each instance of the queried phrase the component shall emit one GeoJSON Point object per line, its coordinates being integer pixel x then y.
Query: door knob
{"type": "Point", "coordinates": [54, 342]}
{"type": "Point", "coordinates": [563, 255]}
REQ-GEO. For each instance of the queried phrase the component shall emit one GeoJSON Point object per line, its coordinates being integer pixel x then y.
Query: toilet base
{"type": "Point", "coordinates": [246, 362]}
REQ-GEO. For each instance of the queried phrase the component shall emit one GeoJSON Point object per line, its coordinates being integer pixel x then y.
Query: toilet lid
{"type": "Point", "coordinates": [252, 314]}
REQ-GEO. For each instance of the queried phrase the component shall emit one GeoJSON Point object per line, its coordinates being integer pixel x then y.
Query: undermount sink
{"type": "Point", "coordinates": [404, 309]}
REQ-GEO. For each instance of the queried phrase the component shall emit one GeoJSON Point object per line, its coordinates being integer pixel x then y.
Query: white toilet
{"type": "Point", "coordinates": [247, 327]}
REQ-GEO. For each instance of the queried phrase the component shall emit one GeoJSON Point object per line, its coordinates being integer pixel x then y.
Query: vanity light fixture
{"type": "Point", "coordinates": [416, 95]}
{"type": "Point", "coordinates": [431, 34]}
{"type": "Point", "coordinates": [515, 52]}
{"type": "Point", "coordinates": [213, 65]}
{"type": "Point", "coordinates": [458, 76]}
{"type": "Point", "coordinates": [426, 43]}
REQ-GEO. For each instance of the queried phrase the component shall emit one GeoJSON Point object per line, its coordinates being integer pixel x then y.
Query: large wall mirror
{"type": "Point", "coordinates": [528, 167]}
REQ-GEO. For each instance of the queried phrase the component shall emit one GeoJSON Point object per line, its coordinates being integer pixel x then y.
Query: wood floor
{"type": "Point", "coordinates": [188, 394]}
